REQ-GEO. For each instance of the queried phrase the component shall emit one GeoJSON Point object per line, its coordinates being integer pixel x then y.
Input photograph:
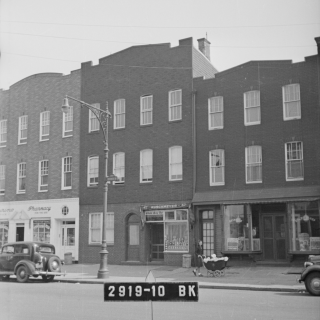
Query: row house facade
{"type": "Point", "coordinates": [39, 162]}
{"type": "Point", "coordinates": [258, 161]}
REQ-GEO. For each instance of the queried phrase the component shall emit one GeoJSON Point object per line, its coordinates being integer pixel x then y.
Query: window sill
{"type": "Point", "coordinates": [21, 143]}
{"type": "Point", "coordinates": [93, 187]}
{"type": "Point", "coordinates": [175, 121]}
{"type": "Point", "coordinates": [288, 119]}
{"type": "Point", "coordinates": [212, 129]}
{"type": "Point", "coordinates": [146, 125]}
{"type": "Point", "coordinates": [94, 132]}
{"type": "Point", "coordinates": [3, 146]}
{"type": "Point", "coordinates": [252, 124]}
{"type": "Point", "coordinates": [174, 181]}
{"type": "Point", "coordinates": [43, 140]}
{"type": "Point", "coordinates": [42, 190]}
{"type": "Point", "coordinates": [67, 136]}
{"type": "Point", "coordinates": [292, 180]}
{"type": "Point", "coordinates": [99, 244]}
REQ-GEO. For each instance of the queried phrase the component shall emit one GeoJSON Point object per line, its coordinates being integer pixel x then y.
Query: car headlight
{"type": "Point", "coordinates": [308, 264]}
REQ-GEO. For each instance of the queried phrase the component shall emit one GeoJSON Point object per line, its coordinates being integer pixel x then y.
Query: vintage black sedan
{"type": "Point", "coordinates": [311, 275]}
{"type": "Point", "coordinates": [25, 259]}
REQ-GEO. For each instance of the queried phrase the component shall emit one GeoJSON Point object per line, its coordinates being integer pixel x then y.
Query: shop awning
{"type": "Point", "coordinates": [310, 193]}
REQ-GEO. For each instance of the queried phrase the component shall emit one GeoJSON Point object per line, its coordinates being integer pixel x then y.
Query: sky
{"type": "Point", "coordinates": [38, 36]}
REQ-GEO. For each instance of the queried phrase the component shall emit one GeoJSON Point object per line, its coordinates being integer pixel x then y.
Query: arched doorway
{"type": "Point", "coordinates": [133, 237]}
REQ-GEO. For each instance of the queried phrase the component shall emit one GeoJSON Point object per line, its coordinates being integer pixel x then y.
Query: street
{"type": "Point", "coordinates": [37, 300]}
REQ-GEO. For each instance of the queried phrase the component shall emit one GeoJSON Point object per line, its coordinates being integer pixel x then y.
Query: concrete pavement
{"type": "Point", "coordinates": [252, 277]}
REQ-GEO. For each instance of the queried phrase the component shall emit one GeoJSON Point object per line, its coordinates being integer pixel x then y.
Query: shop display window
{"type": "Point", "coordinates": [4, 229]}
{"type": "Point", "coordinates": [305, 226]}
{"type": "Point", "coordinates": [41, 230]}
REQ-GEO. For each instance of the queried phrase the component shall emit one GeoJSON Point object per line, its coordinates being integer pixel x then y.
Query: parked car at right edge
{"type": "Point", "coordinates": [311, 275]}
{"type": "Point", "coordinates": [26, 258]}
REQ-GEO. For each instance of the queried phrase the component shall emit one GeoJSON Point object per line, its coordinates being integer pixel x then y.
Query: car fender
{"type": "Point", "coordinates": [30, 266]}
{"type": "Point", "coordinates": [308, 270]}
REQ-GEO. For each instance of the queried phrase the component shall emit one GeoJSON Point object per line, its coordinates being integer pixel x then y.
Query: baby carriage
{"type": "Point", "coordinates": [215, 266]}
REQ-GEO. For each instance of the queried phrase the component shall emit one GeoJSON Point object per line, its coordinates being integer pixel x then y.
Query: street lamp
{"type": "Point", "coordinates": [102, 116]}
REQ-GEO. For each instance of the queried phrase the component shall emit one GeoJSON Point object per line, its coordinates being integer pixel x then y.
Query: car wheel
{"type": "Point", "coordinates": [54, 264]}
{"type": "Point", "coordinates": [22, 274]}
{"type": "Point", "coordinates": [47, 278]}
{"type": "Point", "coordinates": [312, 283]}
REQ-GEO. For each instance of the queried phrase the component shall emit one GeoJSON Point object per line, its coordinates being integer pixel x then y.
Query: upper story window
{"type": "Point", "coordinates": [3, 133]}
{"type": "Point", "coordinates": [175, 105]}
{"type": "Point", "coordinates": [43, 175]}
{"type": "Point", "coordinates": [119, 166]}
{"type": "Point", "coordinates": [175, 163]}
{"type": "Point", "coordinates": [252, 112]}
{"type": "Point", "coordinates": [93, 171]}
{"type": "Point", "coordinates": [66, 180]}
{"type": "Point", "coordinates": [119, 114]}
{"type": "Point", "coordinates": [2, 179]}
{"type": "Point", "coordinates": [21, 177]}
{"type": "Point", "coordinates": [215, 109]}
{"type": "Point", "coordinates": [146, 109]}
{"type": "Point", "coordinates": [291, 102]}
{"type": "Point", "coordinates": [93, 121]}
{"type": "Point", "coordinates": [253, 164]}
{"type": "Point", "coordinates": [67, 123]}
{"type": "Point", "coordinates": [146, 165]}
{"type": "Point", "coordinates": [44, 125]}
{"type": "Point", "coordinates": [294, 161]}
{"type": "Point", "coordinates": [23, 130]}
{"type": "Point", "coordinates": [217, 167]}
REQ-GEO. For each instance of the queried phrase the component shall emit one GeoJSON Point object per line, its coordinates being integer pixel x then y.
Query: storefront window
{"type": "Point", "coordinates": [305, 226]}
{"type": "Point", "coordinates": [4, 229]}
{"type": "Point", "coordinates": [41, 230]}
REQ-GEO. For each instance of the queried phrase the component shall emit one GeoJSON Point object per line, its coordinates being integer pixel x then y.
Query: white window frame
{"type": "Point", "coordinates": [144, 165]}
{"type": "Point", "coordinates": [146, 110]}
{"type": "Point", "coordinates": [94, 125]}
{"type": "Point", "coordinates": [119, 111]}
{"type": "Point", "coordinates": [44, 123]}
{"type": "Point", "coordinates": [2, 178]}
{"type": "Point", "coordinates": [251, 101]}
{"type": "Point", "coordinates": [175, 164]}
{"type": "Point", "coordinates": [23, 128]}
{"type": "Point", "coordinates": [289, 161]}
{"type": "Point", "coordinates": [294, 99]}
{"type": "Point", "coordinates": [119, 169]}
{"type": "Point", "coordinates": [21, 174]}
{"type": "Point", "coordinates": [109, 227]}
{"type": "Point", "coordinates": [215, 110]}
{"type": "Point", "coordinates": [67, 166]}
{"type": "Point", "coordinates": [3, 133]}
{"type": "Point", "coordinates": [67, 120]}
{"type": "Point", "coordinates": [175, 107]}
{"type": "Point", "coordinates": [214, 166]}
{"type": "Point", "coordinates": [43, 171]}
{"type": "Point", "coordinates": [253, 161]}
{"type": "Point", "coordinates": [93, 172]}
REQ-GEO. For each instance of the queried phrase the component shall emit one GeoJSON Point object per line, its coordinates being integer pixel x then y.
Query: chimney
{"type": "Point", "coordinates": [204, 47]}
{"type": "Point", "coordinates": [318, 44]}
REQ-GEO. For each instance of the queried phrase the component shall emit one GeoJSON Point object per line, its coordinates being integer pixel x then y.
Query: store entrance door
{"type": "Point", "coordinates": [68, 238]}
{"type": "Point", "coordinates": [157, 242]}
{"type": "Point", "coordinates": [274, 237]}
{"type": "Point", "coordinates": [20, 232]}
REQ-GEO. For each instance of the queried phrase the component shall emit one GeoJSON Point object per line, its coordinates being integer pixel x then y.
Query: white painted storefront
{"type": "Point", "coordinates": [54, 221]}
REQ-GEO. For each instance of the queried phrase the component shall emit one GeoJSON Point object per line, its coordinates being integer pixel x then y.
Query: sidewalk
{"type": "Point", "coordinates": [259, 278]}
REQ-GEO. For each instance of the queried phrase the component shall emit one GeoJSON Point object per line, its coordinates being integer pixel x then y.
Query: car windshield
{"type": "Point", "coordinates": [45, 249]}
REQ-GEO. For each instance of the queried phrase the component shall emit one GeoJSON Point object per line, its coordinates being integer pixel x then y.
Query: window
{"type": "Point", "coordinates": [291, 102]}
{"type": "Point", "coordinates": [215, 109]}
{"type": "Point", "coordinates": [217, 165]}
{"type": "Point", "coordinates": [41, 230]}
{"type": "Point", "coordinates": [175, 163]}
{"type": "Point", "coordinates": [23, 130]}
{"type": "Point", "coordinates": [134, 234]}
{"type": "Point", "coordinates": [4, 231]}
{"type": "Point", "coordinates": [294, 161]}
{"type": "Point", "coordinates": [119, 166]}
{"type": "Point", "coordinates": [3, 133]}
{"type": "Point", "coordinates": [43, 175]}
{"type": "Point", "coordinates": [119, 114]}
{"type": "Point", "coordinates": [146, 103]}
{"type": "Point", "coordinates": [93, 121]}
{"type": "Point", "coordinates": [66, 173]}
{"type": "Point", "coordinates": [2, 179]}
{"type": "Point", "coordinates": [21, 174]}
{"type": "Point", "coordinates": [67, 125]}
{"type": "Point", "coordinates": [252, 108]}
{"type": "Point", "coordinates": [253, 164]}
{"type": "Point", "coordinates": [95, 228]}
{"type": "Point", "coordinates": [175, 105]}
{"type": "Point", "coordinates": [44, 125]}
{"type": "Point", "coordinates": [146, 165]}
{"type": "Point", "coordinates": [93, 171]}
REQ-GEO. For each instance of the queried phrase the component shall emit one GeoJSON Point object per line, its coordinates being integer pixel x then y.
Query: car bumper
{"type": "Point", "coordinates": [48, 273]}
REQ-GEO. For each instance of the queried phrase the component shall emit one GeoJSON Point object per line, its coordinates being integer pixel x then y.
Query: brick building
{"type": "Point", "coordinates": [149, 92]}
{"type": "Point", "coordinates": [39, 162]}
{"type": "Point", "coordinates": [258, 160]}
